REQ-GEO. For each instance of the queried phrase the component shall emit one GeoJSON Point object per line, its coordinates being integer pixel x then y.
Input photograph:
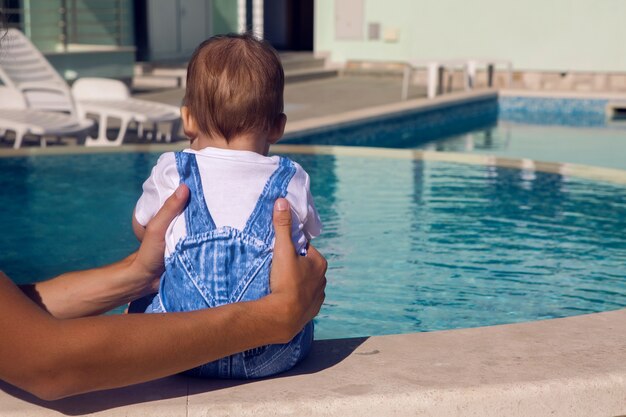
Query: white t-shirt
{"type": "Point", "coordinates": [232, 182]}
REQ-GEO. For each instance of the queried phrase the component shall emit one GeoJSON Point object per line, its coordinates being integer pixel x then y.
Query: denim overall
{"type": "Point", "coordinates": [214, 266]}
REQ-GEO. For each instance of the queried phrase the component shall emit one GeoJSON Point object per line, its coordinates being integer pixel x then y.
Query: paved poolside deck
{"type": "Point", "coordinates": [322, 97]}
{"type": "Point", "coordinates": [304, 100]}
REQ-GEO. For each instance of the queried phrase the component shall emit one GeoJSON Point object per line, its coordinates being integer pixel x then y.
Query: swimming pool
{"type": "Point", "coordinates": [413, 245]}
{"type": "Point", "coordinates": [598, 146]}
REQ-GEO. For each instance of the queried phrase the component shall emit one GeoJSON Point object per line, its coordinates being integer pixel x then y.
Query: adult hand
{"type": "Point", "coordinates": [85, 293]}
{"type": "Point", "coordinates": [147, 263]}
{"type": "Point", "coordinates": [85, 355]}
{"type": "Point", "coordinates": [297, 282]}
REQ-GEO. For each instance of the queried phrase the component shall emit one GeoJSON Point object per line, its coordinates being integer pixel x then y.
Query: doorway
{"type": "Point", "coordinates": [288, 24]}
{"type": "Point", "coordinates": [170, 29]}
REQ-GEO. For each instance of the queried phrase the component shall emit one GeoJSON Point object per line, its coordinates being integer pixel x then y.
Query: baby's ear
{"type": "Point", "coordinates": [189, 123]}
{"type": "Point", "coordinates": [278, 130]}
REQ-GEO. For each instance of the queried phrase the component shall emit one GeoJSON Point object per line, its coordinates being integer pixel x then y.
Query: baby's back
{"type": "Point", "coordinates": [231, 182]}
{"type": "Point", "coordinates": [212, 265]}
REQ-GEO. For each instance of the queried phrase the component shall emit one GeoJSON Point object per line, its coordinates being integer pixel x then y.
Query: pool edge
{"type": "Point", "coordinates": [561, 367]}
{"type": "Point", "coordinates": [617, 176]}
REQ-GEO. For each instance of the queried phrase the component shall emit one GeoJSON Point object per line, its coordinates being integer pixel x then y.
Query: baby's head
{"type": "Point", "coordinates": [235, 88]}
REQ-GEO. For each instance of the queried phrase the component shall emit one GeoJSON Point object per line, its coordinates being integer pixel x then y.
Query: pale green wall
{"type": "Point", "coordinates": [224, 16]}
{"type": "Point", "coordinates": [113, 64]}
{"type": "Point", "coordinates": [41, 19]}
{"type": "Point", "coordinates": [547, 35]}
{"type": "Point", "coordinates": [96, 26]}
{"type": "Point", "coordinates": [41, 23]}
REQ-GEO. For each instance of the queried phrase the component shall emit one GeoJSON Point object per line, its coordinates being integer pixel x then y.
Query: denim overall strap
{"type": "Point", "coordinates": [260, 223]}
{"type": "Point", "coordinates": [197, 216]}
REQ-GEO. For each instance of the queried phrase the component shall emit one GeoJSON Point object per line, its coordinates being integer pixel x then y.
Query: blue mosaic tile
{"type": "Point", "coordinates": [553, 111]}
{"type": "Point", "coordinates": [408, 129]}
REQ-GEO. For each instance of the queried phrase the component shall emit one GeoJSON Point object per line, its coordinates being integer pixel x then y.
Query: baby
{"type": "Point", "coordinates": [219, 250]}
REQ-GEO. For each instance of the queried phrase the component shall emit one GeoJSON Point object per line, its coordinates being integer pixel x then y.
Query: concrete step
{"type": "Point", "coordinates": [393, 70]}
{"type": "Point", "coordinates": [292, 61]}
{"type": "Point", "coordinates": [151, 83]}
{"type": "Point", "coordinates": [147, 68]}
{"type": "Point", "coordinates": [310, 74]}
{"type": "Point", "coordinates": [296, 61]}
{"type": "Point", "coordinates": [162, 79]}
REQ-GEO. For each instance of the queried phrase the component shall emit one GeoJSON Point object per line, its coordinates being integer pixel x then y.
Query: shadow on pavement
{"type": "Point", "coordinates": [324, 354]}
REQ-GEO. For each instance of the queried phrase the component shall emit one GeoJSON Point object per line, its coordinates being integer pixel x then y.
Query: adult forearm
{"type": "Point", "coordinates": [97, 353]}
{"type": "Point", "coordinates": [53, 358]}
{"type": "Point", "coordinates": [86, 293]}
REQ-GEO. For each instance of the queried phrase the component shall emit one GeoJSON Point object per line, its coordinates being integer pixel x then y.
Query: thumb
{"type": "Point", "coordinates": [282, 227]}
{"type": "Point", "coordinates": [171, 208]}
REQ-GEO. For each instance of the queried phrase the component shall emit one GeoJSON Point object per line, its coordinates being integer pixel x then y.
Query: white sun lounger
{"type": "Point", "coordinates": [108, 98]}
{"type": "Point", "coordinates": [25, 69]}
{"type": "Point", "coordinates": [16, 117]}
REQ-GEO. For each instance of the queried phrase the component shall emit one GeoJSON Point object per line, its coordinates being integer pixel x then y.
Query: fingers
{"type": "Point", "coordinates": [171, 208]}
{"type": "Point", "coordinates": [282, 228]}
{"type": "Point", "coordinates": [317, 265]}
{"type": "Point", "coordinates": [320, 301]}
{"type": "Point", "coordinates": [148, 262]}
{"type": "Point", "coordinates": [317, 259]}
{"type": "Point", "coordinates": [316, 301]}
{"type": "Point", "coordinates": [299, 279]}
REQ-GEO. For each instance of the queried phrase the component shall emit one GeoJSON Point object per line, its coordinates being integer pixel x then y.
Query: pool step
{"type": "Point", "coordinates": [616, 111]}
{"type": "Point", "coordinates": [298, 61]}
{"type": "Point", "coordinates": [299, 66]}
{"type": "Point", "coordinates": [310, 74]}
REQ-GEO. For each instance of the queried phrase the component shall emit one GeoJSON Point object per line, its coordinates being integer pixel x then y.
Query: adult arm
{"type": "Point", "coordinates": [53, 358]}
{"type": "Point", "coordinates": [92, 292]}
{"type": "Point", "coordinates": [161, 183]}
{"type": "Point", "coordinates": [95, 291]}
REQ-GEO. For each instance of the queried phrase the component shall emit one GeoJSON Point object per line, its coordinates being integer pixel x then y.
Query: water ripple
{"type": "Point", "coordinates": [412, 245]}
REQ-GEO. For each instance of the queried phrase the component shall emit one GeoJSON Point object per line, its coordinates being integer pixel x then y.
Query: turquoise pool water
{"type": "Point", "coordinates": [412, 245]}
{"type": "Point", "coordinates": [605, 147]}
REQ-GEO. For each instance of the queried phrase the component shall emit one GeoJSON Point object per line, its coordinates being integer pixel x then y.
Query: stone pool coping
{"type": "Point", "coordinates": [322, 124]}
{"type": "Point", "coordinates": [582, 95]}
{"type": "Point", "coordinates": [596, 173]}
{"type": "Point", "coordinates": [563, 367]}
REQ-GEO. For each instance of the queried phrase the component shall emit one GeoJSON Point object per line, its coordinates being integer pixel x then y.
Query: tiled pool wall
{"type": "Point", "coordinates": [416, 126]}
{"type": "Point", "coordinates": [408, 128]}
{"type": "Point", "coordinates": [576, 112]}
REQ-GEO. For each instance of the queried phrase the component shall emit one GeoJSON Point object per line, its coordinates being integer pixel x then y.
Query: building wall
{"type": "Point", "coordinates": [188, 23]}
{"type": "Point", "coordinates": [90, 22]}
{"type": "Point", "coordinates": [40, 22]}
{"type": "Point", "coordinates": [536, 35]}
{"type": "Point", "coordinates": [93, 24]}
{"type": "Point", "coordinates": [96, 44]}
{"type": "Point", "coordinates": [224, 16]}
{"type": "Point", "coordinates": [97, 22]}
